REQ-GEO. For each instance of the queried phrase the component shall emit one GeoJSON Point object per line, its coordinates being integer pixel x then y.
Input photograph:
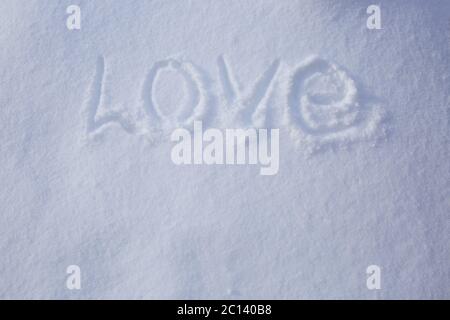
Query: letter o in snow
{"type": "Point", "coordinates": [192, 108]}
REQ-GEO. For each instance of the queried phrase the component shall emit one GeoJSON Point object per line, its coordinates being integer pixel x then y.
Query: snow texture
{"type": "Point", "coordinates": [87, 179]}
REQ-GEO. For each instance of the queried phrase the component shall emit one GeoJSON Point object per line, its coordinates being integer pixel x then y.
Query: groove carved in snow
{"type": "Point", "coordinates": [322, 103]}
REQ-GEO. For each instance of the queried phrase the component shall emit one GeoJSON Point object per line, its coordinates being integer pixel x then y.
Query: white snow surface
{"type": "Point", "coordinates": [86, 176]}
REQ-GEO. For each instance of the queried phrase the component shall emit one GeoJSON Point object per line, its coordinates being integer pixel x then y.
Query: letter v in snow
{"type": "Point", "coordinates": [247, 104]}
{"type": "Point", "coordinates": [93, 120]}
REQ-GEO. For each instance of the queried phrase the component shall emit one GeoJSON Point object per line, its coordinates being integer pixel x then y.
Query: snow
{"type": "Point", "coordinates": [87, 179]}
